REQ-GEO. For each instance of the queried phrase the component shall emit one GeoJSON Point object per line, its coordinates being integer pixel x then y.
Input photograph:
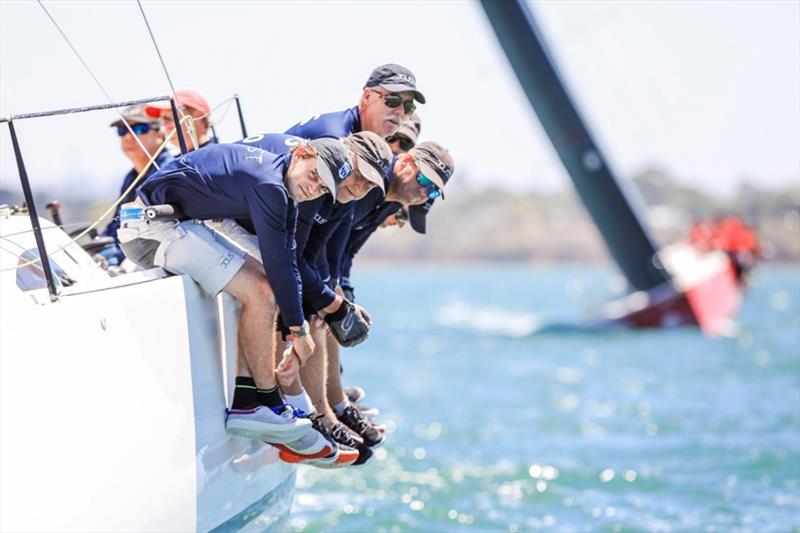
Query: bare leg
{"type": "Point", "coordinates": [256, 322]}
{"type": "Point", "coordinates": [334, 382]}
{"type": "Point", "coordinates": [241, 363]}
{"type": "Point", "coordinates": [313, 376]}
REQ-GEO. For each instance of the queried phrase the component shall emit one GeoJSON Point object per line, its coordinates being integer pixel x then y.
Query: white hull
{"type": "Point", "coordinates": [112, 406]}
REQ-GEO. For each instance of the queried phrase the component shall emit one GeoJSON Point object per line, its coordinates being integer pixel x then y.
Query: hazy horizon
{"type": "Point", "coordinates": [707, 91]}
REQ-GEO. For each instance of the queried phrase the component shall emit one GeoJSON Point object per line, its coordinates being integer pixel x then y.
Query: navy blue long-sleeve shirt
{"type": "Point", "coordinates": [236, 181]}
{"type": "Point", "coordinates": [337, 124]}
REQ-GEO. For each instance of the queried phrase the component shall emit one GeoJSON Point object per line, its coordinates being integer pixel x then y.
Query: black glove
{"type": "Point", "coordinates": [349, 324]}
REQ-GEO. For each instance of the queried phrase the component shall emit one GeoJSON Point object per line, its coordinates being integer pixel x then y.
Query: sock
{"type": "Point", "coordinates": [301, 401]}
{"type": "Point", "coordinates": [340, 407]}
{"type": "Point", "coordinates": [270, 397]}
{"type": "Point", "coordinates": [244, 395]}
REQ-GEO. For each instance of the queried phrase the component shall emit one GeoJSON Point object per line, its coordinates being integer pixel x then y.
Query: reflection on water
{"type": "Point", "coordinates": [492, 428]}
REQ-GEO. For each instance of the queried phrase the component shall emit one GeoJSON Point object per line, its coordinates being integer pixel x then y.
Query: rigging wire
{"type": "Point", "coordinates": [181, 114]}
{"type": "Point", "coordinates": [97, 81]}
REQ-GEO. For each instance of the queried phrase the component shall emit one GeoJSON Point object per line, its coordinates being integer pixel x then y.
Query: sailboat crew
{"type": "Point", "coordinates": [387, 101]}
{"type": "Point", "coordinates": [317, 220]}
{"type": "Point", "coordinates": [150, 133]}
{"type": "Point", "coordinates": [235, 181]}
{"type": "Point", "coordinates": [196, 131]}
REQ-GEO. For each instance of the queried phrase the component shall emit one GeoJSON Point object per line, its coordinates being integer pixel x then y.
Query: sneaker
{"type": "Point", "coordinates": [312, 445]}
{"type": "Point", "coordinates": [355, 394]}
{"type": "Point", "coordinates": [342, 455]}
{"type": "Point", "coordinates": [362, 426]}
{"type": "Point", "coordinates": [343, 436]}
{"type": "Point", "coordinates": [368, 411]}
{"type": "Point", "coordinates": [280, 424]}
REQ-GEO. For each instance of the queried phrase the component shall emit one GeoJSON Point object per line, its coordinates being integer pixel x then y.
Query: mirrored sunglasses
{"type": "Point", "coordinates": [433, 191]}
{"type": "Point", "coordinates": [138, 129]}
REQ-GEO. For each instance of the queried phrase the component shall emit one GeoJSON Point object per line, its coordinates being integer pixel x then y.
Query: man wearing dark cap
{"type": "Point", "coordinates": [386, 101]}
{"type": "Point", "coordinates": [147, 130]}
{"type": "Point", "coordinates": [435, 167]}
{"type": "Point", "coordinates": [235, 181]}
{"type": "Point", "coordinates": [404, 139]}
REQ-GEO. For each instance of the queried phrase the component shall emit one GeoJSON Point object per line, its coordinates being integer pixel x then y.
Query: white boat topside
{"type": "Point", "coordinates": [112, 402]}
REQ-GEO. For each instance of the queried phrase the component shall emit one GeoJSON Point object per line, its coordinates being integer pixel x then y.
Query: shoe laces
{"type": "Point", "coordinates": [286, 411]}
{"type": "Point", "coordinates": [342, 435]}
{"type": "Point", "coordinates": [355, 419]}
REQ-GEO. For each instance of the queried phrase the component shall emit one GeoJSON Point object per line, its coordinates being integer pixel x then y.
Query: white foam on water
{"type": "Point", "coordinates": [498, 321]}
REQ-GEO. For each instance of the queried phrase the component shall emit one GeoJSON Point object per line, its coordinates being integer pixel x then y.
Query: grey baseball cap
{"type": "Point", "coordinates": [410, 128]}
{"type": "Point", "coordinates": [374, 156]}
{"type": "Point", "coordinates": [136, 114]}
{"type": "Point", "coordinates": [333, 162]}
{"type": "Point", "coordinates": [435, 162]}
{"type": "Point", "coordinates": [395, 79]}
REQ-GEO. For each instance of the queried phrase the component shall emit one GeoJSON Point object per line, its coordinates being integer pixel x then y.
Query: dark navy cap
{"type": "Point", "coordinates": [417, 214]}
{"type": "Point", "coordinates": [395, 79]}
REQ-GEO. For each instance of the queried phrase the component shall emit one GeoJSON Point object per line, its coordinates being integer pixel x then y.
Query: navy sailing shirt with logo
{"type": "Point", "coordinates": [235, 181]}
{"type": "Point", "coordinates": [316, 222]}
{"type": "Point", "coordinates": [338, 124]}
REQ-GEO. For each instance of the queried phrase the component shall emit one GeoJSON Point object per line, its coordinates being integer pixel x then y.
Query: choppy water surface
{"type": "Point", "coordinates": [498, 422]}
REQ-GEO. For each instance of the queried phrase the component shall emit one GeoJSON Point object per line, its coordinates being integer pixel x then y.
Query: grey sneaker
{"type": "Point", "coordinates": [278, 425]}
{"type": "Point", "coordinates": [355, 394]}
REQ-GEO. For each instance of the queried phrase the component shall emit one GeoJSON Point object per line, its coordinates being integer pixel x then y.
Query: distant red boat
{"type": "Point", "coordinates": [705, 290]}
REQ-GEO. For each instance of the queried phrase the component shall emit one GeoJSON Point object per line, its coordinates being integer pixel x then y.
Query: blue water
{"type": "Point", "coordinates": [498, 422]}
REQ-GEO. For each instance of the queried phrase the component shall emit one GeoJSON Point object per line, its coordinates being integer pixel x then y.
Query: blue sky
{"type": "Point", "coordinates": [710, 91]}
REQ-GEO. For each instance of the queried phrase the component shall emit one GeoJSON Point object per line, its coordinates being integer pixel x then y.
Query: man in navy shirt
{"type": "Point", "coordinates": [234, 181]}
{"type": "Point", "coordinates": [316, 222]}
{"type": "Point", "coordinates": [150, 137]}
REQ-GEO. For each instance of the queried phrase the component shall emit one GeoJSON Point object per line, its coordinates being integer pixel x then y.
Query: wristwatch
{"type": "Point", "coordinates": [304, 330]}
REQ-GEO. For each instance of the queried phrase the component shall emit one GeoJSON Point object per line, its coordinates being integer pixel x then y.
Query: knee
{"type": "Point", "coordinates": [260, 293]}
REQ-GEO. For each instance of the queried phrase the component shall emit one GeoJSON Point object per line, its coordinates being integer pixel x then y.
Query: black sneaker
{"type": "Point", "coordinates": [343, 436]}
{"type": "Point", "coordinates": [355, 394]}
{"type": "Point", "coordinates": [363, 426]}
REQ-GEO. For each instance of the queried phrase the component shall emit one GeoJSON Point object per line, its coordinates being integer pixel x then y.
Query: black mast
{"type": "Point", "coordinates": [623, 232]}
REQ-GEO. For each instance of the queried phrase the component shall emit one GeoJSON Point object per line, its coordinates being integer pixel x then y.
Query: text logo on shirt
{"type": "Point", "coordinates": [319, 219]}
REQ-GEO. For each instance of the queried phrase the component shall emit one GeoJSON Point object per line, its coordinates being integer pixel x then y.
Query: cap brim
{"type": "Point", "coordinates": [402, 87]}
{"type": "Point", "coordinates": [370, 172]}
{"type": "Point", "coordinates": [416, 217]}
{"type": "Point", "coordinates": [327, 177]}
{"type": "Point", "coordinates": [432, 175]}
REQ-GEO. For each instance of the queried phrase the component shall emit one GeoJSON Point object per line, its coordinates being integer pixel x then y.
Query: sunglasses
{"type": "Point", "coordinates": [393, 100]}
{"type": "Point", "coordinates": [406, 144]}
{"type": "Point", "coordinates": [433, 191]}
{"type": "Point", "coordinates": [138, 129]}
{"type": "Point", "coordinates": [401, 215]}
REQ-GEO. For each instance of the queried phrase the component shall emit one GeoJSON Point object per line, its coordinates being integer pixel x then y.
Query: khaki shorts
{"type": "Point", "coordinates": [187, 247]}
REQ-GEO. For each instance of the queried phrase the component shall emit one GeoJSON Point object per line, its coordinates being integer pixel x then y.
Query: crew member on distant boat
{"type": "Point", "coordinates": [196, 130]}
{"type": "Point", "coordinates": [235, 181]}
{"type": "Point", "coordinates": [150, 135]}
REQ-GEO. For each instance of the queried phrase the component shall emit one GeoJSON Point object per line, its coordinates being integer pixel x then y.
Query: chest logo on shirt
{"type": "Point", "coordinates": [319, 219]}
{"type": "Point", "coordinates": [256, 153]}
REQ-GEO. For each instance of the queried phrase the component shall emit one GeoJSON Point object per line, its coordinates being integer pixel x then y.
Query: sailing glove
{"type": "Point", "coordinates": [349, 324]}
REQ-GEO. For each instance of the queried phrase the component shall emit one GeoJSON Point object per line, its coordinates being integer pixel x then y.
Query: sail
{"type": "Point", "coordinates": [624, 233]}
